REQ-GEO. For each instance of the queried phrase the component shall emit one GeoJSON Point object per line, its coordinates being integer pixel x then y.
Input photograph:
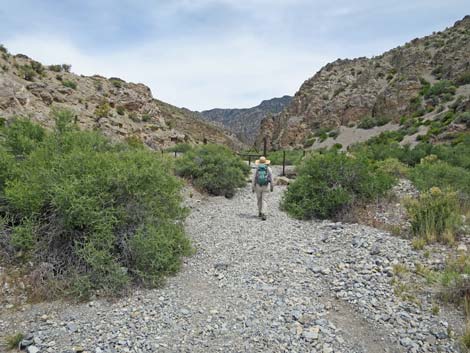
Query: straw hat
{"type": "Point", "coordinates": [262, 160]}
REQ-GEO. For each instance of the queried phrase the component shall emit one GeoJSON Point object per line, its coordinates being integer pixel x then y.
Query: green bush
{"type": "Point", "coordinates": [103, 110]}
{"type": "Point", "coordinates": [13, 341]}
{"type": "Point", "coordinates": [393, 167]}
{"type": "Point", "coordinates": [432, 172]}
{"type": "Point", "coordinates": [27, 72]}
{"type": "Point", "coordinates": [116, 82]}
{"type": "Point", "coordinates": [70, 84]}
{"type": "Point", "coordinates": [293, 157]}
{"type": "Point", "coordinates": [367, 123]}
{"type": "Point", "coordinates": [214, 169]}
{"type": "Point", "coordinates": [328, 183]}
{"type": "Point", "coordinates": [55, 68]}
{"type": "Point", "coordinates": [22, 136]}
{"type": "Point", "coordinates": [37, 67]}
{"type": "Point", "coordinates": [370, 122]}
{"type": "Point", "coordinates": [463, 79]}
{"type": "Point", "coordinates": [440, 88]}
{"type": "Point", "coordinates": [99, 212]}
{"type": "Point", "coordinates": [435, 216]}
{"type": "Point", "coordinates": [66, 67]}
{"type": "Point", "coordinates": [180, 148]}
{"type": "Point", "coordinates": [120, 110]}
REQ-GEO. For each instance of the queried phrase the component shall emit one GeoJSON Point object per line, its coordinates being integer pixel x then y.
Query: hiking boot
{"type": "Point", "coordinates": [263, 216]}
{"type": "Point", "coordinates": [260, 214]}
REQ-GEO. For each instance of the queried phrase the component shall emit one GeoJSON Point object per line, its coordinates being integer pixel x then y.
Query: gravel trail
{"type": "Point", "coordinates": [281, 285]}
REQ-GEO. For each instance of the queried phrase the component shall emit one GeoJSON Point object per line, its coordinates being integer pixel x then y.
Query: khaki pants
{"type": "Point", "coordinates": [261, 193]}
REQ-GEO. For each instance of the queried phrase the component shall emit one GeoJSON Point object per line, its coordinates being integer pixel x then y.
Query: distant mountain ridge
{"type": "Point", "coordinates": [245, 123]}
{"type": "Point", "coordinates": [121, 110]}
{"type": "Point", "coordinates": [390, 85]}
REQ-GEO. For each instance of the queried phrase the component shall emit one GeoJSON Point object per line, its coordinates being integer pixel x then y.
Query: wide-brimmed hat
{"type": "Point", "coordinates": [262, 160]}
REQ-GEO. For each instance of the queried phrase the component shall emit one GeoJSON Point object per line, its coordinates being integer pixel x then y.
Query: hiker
{"type": "Point", "coordinates": [262, 179]}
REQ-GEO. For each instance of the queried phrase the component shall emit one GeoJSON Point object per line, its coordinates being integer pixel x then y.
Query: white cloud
{"type": "Point", "coordinates": [199, 75]}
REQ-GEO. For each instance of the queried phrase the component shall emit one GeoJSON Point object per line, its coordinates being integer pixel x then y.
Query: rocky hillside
{"type": "Point", "coordinates": [120, 109]}
{"type": "Point", "coordinates": [398, 83]}
{"type": "Point", "coordinates": [245, 123]}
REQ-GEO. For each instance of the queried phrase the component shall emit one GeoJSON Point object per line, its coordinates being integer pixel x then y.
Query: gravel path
{"type": "Point", "coordinates": [276, 286]}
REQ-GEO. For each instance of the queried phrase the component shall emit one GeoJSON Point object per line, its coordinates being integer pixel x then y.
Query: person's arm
{"type": "Point", "coordinates": [271, 178]}
{"type": "Point", "coordinates": [253, 182]}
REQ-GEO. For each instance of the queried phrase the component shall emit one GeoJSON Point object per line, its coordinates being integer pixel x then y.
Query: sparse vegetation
{"type": "Point", "coordinates": [463, 79]}
{"type": "Point", "coordinates": [13, 341]}
{"type": "Point", "coordinates": [370, 122]}
{"type": "Point", "coordinates": [293, 157]}
{"type": "Point", "coordinates": [55, 68]}
{"type": "Point", "coordinates": [120, 110]}
{"type": "Point", "coordinates": [214, 169]}
{"type": "Point", "coordinates": [109, 213]}
{"type": "Point", "coordinates": [435, 216]}
{"type": "Point", "coordinates": [116, 82]}
{"type": "Point", "coordinates": [103, 110]}
{"type": "Point", "coordinates": [328, 183]}
{"type": "Point", "coordinates": [66, 67]}
{"type": "Point", "coordinates": [70, 84]}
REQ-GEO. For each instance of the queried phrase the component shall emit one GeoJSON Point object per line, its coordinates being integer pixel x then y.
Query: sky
{"type": "Point", "coordinates": [203, 54]}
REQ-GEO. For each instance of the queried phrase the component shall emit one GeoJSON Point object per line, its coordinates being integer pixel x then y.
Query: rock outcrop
{"type": "Point", "coordinates": [119, 109]}
{"type": "Point", "coordinates": [345, 91]}
{"type": "Point", "coordinates": [245, 123]}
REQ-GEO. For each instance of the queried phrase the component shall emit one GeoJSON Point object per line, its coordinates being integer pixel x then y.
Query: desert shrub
{"type": "Point", "coordinates": [23, 236]}
{"type": "Point", "coordinates": [214, 169]}
{"type": "Point", "coordinates": [135, 141]}
{"type": "Point", "coordinates": [66, 67]}
{"type": "Point", "coordinates": [21, 136]}
{"type": "Point", "coordinates": [146, 118]}
{"type": "Point", "coordinates": [3, 49]}
{"type": "Point", "coordinates": [13, 341]}
{"type": "Point", "coordinates": [116, 82]}
{"type": "Point", "coordinates": [55, 68]}
{"type": "Point", "coordinates": [435, 216]}
{"type": "Point", "coordinates": [180, 148]}
{"type": "Point", "coordinates": [333, 134]}
{"type": "Point", "coordinates": [463, 79]}
{"type": "Point", "coordinates": [70, 84]}
{"type": "Point", "coordinates": [293, 157]}
{"type": "Point", "coordinates": [393, 167]}
{"type": "Point", "coordinates": [327, 183]}
{"type": "Point", "coordinates": [153, 250]}
{"type": "Point", "coordinates": [103, 110]}
{"type": "Point", "coordinates": [367, 123]}
{"type": "Point", "coordinates": [120, 110]}
{"type": "Point", "coordinates": [370, 122]}
{"type": "Point", "coordinates": [26, 72]}
{"type": "Point", "coordinates": [96, 211]}
{"type": "Point", "coordinates": [455, 280]}
{"type": "Point", "coordinates": [432, 172]}
{"type": "Point", "coordinates": [440, 88]}
{"type": "Point", "coordinates": [37, 67]}
{"type": "Point", "coordinates": [463, 118]}
{"type": "Point", "coordinates": [415, 103]}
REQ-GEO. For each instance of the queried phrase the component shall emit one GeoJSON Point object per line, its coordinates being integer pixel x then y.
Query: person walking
{"type": "Point", "coordinates": [262, 179]}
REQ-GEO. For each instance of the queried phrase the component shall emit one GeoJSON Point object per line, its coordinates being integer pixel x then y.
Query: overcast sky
{"type": "Point", "coordinates": [203, 54]}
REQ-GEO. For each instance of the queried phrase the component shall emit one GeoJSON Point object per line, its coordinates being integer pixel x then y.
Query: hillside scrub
{"type": "Point", "coordinates": [293, 157]}
{"type": "Point", "coordinates": [370, 122]}
{"type": "Point", "coordinates": [331, 182]}
{"type": "Point", "coordinates": [214, 169]}
{"type": "Point", "coordinates": [435, 215]}
{"type": "Point", "coordinates": [434, 172]}
{"type": "Point", "coordinates": [92, 215]}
